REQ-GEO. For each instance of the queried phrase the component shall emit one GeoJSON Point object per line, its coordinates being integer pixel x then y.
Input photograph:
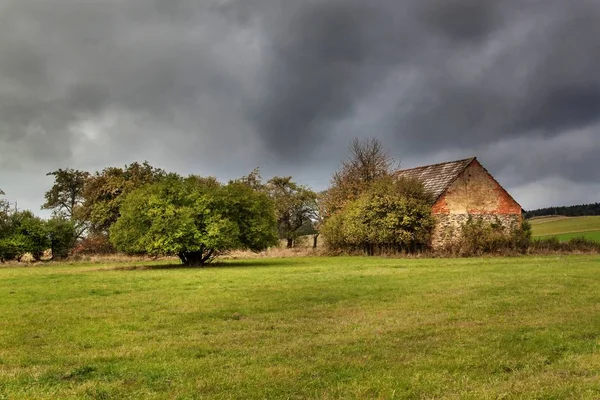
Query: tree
{"type": "Point", "coordinates": [104, 192]}
{"type": "Point", "coordinates": [194, 218]}
{"type": "Point", "coordinates": [367, 162]}
{"type": "Point", "coordinates": [22, 232]}
{"type": "Point", "coordinates": [393, 215]}
{"type": "Point", "coordinates": [61, 235]}
{"type": "Point", "coordinates": [65, 197]}
{"type": "Point", "coordinates": [253, 179]}
{"type": "Point", "coordinates": [7, 247]}
{"type": "Point", "coordinates": [35, 232]}
{"type": "Point", "coordinates": [319, 217]}
{"type": "Point", "coordinates": [295, 207]}
{"type": "Point", "coordinates": [67, 192]}
{"type": "Point", "coordinates": [4, 207]}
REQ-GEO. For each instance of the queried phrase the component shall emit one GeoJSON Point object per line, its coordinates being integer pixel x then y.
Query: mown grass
{"type": "Point", "coordinates": [562, 225]}
{"type": "Point", "coordinates": [367, 328]}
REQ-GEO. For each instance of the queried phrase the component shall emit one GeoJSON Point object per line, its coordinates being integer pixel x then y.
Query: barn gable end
{"type": "Point", "coordinates": [461, 189]}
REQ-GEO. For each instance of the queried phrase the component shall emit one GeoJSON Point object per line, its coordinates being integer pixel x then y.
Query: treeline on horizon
{"type": "Point", "coordinates": [580, 210]}
{"type": "Point", "coordinates": [143, 210]}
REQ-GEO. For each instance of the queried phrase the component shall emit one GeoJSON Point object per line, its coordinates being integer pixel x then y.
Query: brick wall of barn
{"type": "Point", "coordinates": [475, 193]}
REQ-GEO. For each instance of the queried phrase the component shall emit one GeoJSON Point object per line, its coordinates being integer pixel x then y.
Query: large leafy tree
{"type": "Point", "coordinates": [295, 207]}
{"type": "Point", "coordinates": [393, 215]}
{"type": "Point", "coordinates": [104, 192]}
{"type": "Point", "coordinates": [65, 197]}
{"type": "Point", "coordinates": [195, 219]}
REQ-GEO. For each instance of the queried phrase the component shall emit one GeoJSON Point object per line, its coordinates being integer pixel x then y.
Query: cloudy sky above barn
{"type": "Point", "coordinates": [219, 87]}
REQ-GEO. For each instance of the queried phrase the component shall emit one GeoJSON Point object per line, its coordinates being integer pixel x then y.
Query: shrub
{"type": "Point", "coordinates": [22, 232]}
{"type": "Point", "coordinates": [13, 247]}
{"type": "Point", "coordinates": [62, 237]}
{"type": "Point", "coordinates": [94, 244]}
{"type": "Point", "coordinates": [479, 237]}
{"type": "Point", "coordinates": [392, 216]}
{"type": "Point", "coordinates": [553, 245]}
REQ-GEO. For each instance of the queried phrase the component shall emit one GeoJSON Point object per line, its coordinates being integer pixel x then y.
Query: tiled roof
{"type": "Point", "coordinates": [437, 177]}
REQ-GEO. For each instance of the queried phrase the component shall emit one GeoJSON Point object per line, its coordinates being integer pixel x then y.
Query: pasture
{"type": "Point", "coordinates": [327, 328]}
{"type": "Point", "coordinates": [566, 228]}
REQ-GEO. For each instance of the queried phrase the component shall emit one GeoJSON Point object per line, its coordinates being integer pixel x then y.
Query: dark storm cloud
{"type": "Point", "coordinates": [285, 84]}
{"type": "Point", "coordinates": [66, 62]}
{"type": "Point", "coordinates": [327, 57]}
{"type": "Point", "coordinates": [477, 72]}
{"type": "Point", "coordinates": [465, 20]}
{"type": "Point", "coordinates": [318, 70]}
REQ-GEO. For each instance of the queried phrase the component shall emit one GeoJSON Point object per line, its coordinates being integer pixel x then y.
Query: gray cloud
{"type": "Point", "coordinates": [219, 87]}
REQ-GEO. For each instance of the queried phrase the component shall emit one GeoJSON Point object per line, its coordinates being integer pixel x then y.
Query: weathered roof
{"type": "Point", "coordinates": [437, 177]}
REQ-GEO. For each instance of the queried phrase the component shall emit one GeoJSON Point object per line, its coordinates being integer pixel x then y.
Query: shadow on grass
{"type": "Point", "coordinates": [214, 265]}
{"type": "Point", "coordinates": [263, 262]}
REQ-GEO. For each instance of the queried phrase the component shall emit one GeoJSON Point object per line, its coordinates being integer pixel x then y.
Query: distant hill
{"type": "Point", "coordinates": [565, 228]}
{"type": "Point", "coordinates": [567, 211]}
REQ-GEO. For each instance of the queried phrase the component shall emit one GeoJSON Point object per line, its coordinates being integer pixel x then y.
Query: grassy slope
{"type": "Point", "coordinates": [561, 225]}
{"type": "Point", "coordinates": [565, 237]}
{"type": "Point", "coordinates": [304, 328]}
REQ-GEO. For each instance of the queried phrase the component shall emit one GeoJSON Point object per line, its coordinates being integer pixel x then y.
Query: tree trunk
{"type": "Point", "coordinates": [195, 258]}
{"type": "Point", "coordinates": [290, 243]}
{"type": "Point", "coordinates": [315, 237]}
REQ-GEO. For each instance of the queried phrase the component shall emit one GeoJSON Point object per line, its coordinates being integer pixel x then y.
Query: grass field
{"type": "Point", "coordinates": [327, 328]}
{"type": "Point", "coordinates": [566, 228]}
{"type": "Point", "coordinates": [565, 237]}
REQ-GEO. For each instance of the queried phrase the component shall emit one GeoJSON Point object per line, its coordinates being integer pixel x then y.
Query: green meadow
{"type": "Point", "coordinates": [299, 328]}
{"type": "Point", "coordinates": [565, 237]}
{"type": "Point", "coordinates": [566, 228]}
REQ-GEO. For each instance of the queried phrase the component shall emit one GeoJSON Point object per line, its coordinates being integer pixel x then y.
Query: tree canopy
{"type": "Point", "coordinates": [67, 192]}
{"type": "Point", "coordinates": [194, 218]}
{"type": "Point", "coordinates": [367, 208]}
{"type": "Point", "coordinates": [65, 197]}
{"type": "Point", "coordinates": [22, 232]}
{"type": "Point", "coordinates": [367, 162]}
{"type": "Point", "coordinates": [104, 191]}
{"type": "Point", "coordinates": [295, 207]}
{"type": "Point", "coordinates": [392, 215]}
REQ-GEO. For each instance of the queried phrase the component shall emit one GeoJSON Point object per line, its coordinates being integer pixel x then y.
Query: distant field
{"type": "Point", "coordinates": [304, 328]}
{"type": "Point", "coordinates": [566, 228]}
{"type": "Point", "coordinates": [565, 237]}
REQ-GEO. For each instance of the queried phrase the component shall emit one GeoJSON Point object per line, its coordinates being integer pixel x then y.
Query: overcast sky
{"type": "Point", "coordinates": [219, 87]}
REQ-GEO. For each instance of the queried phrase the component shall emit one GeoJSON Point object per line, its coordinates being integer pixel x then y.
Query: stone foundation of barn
{"type": "Point", "coordinates": [448, 227]}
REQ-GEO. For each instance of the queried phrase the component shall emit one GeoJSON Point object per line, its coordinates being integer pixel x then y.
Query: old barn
{"type": "Point", "coordinates": [461, 189]}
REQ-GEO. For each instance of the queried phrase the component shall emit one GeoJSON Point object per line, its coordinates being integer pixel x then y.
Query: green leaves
{"type": "Point", "coordinates": [62, 235]}
{"type": "Point", "coordinates": [194, 218]}
{"type": "Point", "coordinates": [104, 191]}
{"type": "Point", "coordinates": [295, 206]}
{"type": "Point", "coordinates": [391, 215]}
{"type": "Point", "coordinates": [21, 233]}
